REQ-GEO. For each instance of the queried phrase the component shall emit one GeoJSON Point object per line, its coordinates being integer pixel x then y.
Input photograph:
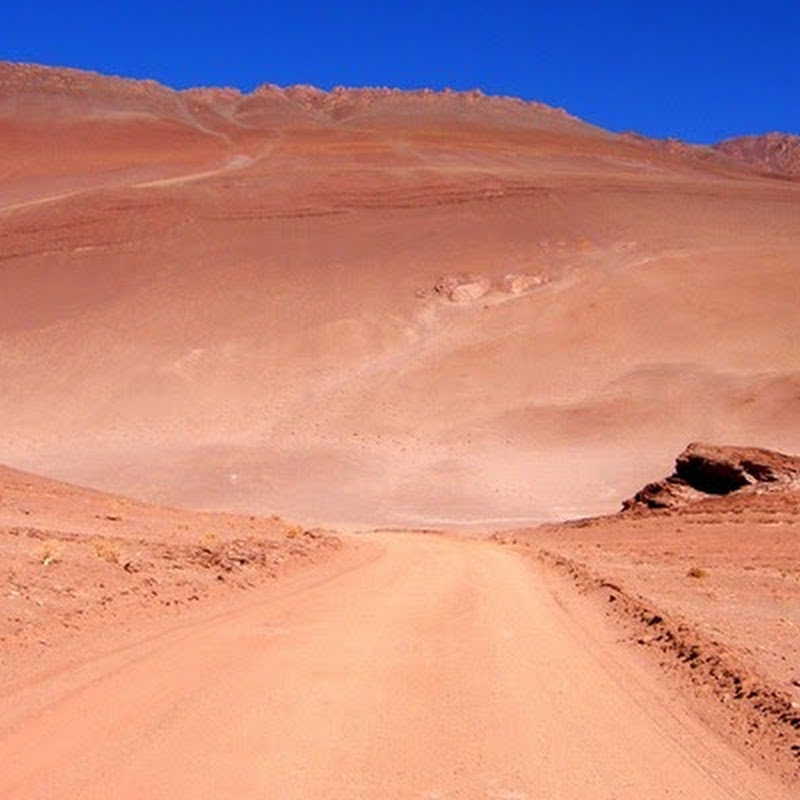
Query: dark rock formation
{"type": "Point", "coordinates": [703, 470]}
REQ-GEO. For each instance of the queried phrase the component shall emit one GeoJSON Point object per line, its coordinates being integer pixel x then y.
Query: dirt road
{"type": "Point", "coordinates": [415, 667]}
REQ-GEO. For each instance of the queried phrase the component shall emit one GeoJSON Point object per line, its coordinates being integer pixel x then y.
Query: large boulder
{"type": "Point", "coordinates": [703, 470]}
{"type": "Point", "coordinates": [722, 470]}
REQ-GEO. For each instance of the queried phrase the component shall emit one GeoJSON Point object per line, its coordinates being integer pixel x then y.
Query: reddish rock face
{"type": "Point", "coordinates": [721, 470]}
{"type": "Point", "coordinates": [702, 470]}
{"type": "Point", "coordinates": [777, 153]}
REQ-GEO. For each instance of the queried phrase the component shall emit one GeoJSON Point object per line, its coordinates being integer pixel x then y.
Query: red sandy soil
{"type": "Point", "coordinates": [384, 308]}
{"type": "Point", "coordinates": [75, 562]}
{"type": "Point", "coordinates": [230, 301]}
{"type": "Point", "coordinates": [711, 592]}
{"type": "Point", "coordinates": [411, 666]}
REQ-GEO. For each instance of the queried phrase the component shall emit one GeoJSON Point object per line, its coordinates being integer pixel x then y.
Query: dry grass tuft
{"type": "Point", "coordinates": [697, 572]}
{"type": "Point", "coordinates": [49, 552]}
{"type": "Point", "coordinates": [208, 541]}
{"type": "Point", "coordinates": [106, 550]}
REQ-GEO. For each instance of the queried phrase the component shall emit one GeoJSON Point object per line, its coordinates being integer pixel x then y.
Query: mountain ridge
{"type": "Point", "coordinates": [27, 76]}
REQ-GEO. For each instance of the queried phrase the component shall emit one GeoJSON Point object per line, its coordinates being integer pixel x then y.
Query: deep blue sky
{"type": "Point", "coordinates": [700, 71]}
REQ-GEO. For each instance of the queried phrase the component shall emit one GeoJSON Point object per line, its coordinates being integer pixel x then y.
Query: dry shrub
{"type": "Point", "coordinates": [106, 550]}
{"type": "Point", "coordinates": [49, 552]}
{"type": "Point", "coordinates": [208, 541]}
{"type": "Point", "coordinates": [696, 572]}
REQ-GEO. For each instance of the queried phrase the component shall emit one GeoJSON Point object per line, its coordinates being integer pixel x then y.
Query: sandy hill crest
{"type": "Point", "coordinates": [33, 92]}
{"type": "Point", "coordinates": [31, 89]}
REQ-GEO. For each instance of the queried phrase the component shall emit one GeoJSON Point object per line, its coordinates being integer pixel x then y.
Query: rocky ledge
{"type": "Point", "coordinates": [704, 470]}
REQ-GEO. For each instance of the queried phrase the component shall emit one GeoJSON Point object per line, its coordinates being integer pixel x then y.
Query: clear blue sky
{"type": "Point", "coordinates": [700, 71]}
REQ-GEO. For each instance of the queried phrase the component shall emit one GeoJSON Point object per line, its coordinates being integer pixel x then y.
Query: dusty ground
{"type": "Point", "coordinates": [77, 563]}
{"type": "Point", "coordinates": [413, 666]}
{"type": "Point", "coordinates": [391, 664]}
{"type": "Point", "coordinates": [712, 594]}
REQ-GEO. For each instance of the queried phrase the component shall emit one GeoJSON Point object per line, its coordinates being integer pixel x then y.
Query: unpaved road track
{"type": "Point", "coordinates": [415, 667]}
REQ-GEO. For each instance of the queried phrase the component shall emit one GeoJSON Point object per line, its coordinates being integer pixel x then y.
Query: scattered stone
{"type": "Point", "coordinates": [462, 287]}
{"type": "Point", "coordinates": [519, 283]}
{"type": "Point", "coordinates": [469, 292]}
{"type": "Point", "coordinates": [467, 287]}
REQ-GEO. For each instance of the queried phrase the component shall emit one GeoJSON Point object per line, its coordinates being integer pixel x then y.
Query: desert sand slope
{"type": "Point", "coordinates": [426, 667]}
{"type": "Point", "coordinates": [375, 306]}
{"type": "Point", "coordinates": [78, 566]}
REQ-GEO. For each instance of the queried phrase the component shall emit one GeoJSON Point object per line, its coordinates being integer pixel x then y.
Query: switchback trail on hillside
{"type": "Point", "coordinates": [417, 666]}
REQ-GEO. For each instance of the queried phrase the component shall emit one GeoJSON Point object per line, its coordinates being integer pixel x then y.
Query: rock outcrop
{"type": "Point", "coordinates": [467, 287]}
{"type": "Point", "coordinates": [775, 153]}
{"type": "Point", "coordinates": [704, 470]}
